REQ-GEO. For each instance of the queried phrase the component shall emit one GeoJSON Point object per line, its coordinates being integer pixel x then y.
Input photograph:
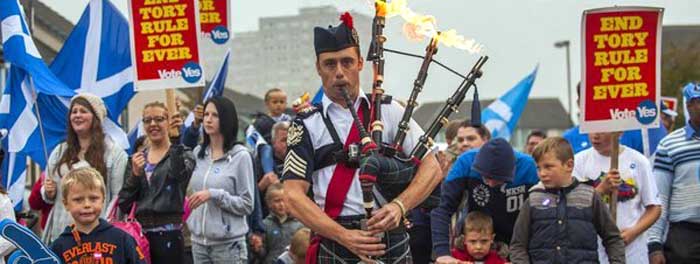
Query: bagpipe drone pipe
{"type": "Point", "coordinates": [385, 171]}
{"type": "Point", "coordinates": [393, 170]}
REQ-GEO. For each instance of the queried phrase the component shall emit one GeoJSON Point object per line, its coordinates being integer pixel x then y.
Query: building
{"type": "Point", "coordinates": [281, 54]}
{"type": "Point", "coordinates": [546, 114]}
{"type": "Point", "coordinates": [680, 61]}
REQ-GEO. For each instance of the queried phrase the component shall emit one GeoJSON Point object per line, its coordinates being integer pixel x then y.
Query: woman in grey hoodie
{"type": "Point", "coordinates": [222, 186]}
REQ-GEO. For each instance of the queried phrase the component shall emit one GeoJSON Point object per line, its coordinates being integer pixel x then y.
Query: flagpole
{"type": "Point", "coordinates": [35, 97]}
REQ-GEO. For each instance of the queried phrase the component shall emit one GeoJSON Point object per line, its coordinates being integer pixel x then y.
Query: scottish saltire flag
{"type": "Point", "coordinates": [318, 96]}
{"type": "Point", "coordinates": [96, 58]}
{"type": "Point", "coordinates": [216, 87]}
{"type": "Point", "coordinates": [501, 116]}
{"type": "Point", "coordinates": [28, 77]}
{"type": "Point", "coordinates": [134, 134]}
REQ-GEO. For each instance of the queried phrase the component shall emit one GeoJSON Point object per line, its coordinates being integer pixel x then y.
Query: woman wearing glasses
{"type": "Point", "coordinates": [85, 146]}
{"type": "Point", "coordinates": [156, 181]}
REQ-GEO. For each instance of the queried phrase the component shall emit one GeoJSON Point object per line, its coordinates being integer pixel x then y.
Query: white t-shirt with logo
{"type": "Point", "coordinates": [589, 165]}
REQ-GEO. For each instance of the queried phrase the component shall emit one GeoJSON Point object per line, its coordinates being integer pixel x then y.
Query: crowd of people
{"type": "Point", "coordinates": [288, 190]}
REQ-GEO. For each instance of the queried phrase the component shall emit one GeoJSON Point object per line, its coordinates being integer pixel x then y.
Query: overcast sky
{"type": "Point", "coordinates": [518, 36]}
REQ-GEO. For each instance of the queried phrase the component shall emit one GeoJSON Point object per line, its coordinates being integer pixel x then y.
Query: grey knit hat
{"type": "Point", "coordinates": [95, 102]}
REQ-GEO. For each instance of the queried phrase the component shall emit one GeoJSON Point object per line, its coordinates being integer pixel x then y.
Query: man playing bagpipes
{"type": "Point", "coordinates": [323, 145]}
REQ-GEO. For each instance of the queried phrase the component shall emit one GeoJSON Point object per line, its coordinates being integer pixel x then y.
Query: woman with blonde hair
{"type": "Point", "coordinates": [156, 183]}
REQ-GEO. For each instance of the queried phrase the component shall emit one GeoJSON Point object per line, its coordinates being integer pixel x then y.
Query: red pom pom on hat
{"type": "Point", "coordinates": [347, 20]}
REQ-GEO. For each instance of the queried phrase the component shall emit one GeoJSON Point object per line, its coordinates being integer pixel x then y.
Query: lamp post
{"type": "Point", "coordinates": [566, 44]}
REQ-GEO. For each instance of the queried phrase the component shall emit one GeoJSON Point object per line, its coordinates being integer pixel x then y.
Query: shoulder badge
{"type": "Point", "coordinates": [294, 134]}
{"type": "Point", "coordinates": [307, 111]}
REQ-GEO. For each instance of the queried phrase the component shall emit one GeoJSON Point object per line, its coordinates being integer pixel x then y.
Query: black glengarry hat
{"type": "Point", "coordinates": [336, 38]}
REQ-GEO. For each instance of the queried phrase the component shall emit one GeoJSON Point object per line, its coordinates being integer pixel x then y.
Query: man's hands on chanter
{"type": "Point", "coordinates": [385, 219]}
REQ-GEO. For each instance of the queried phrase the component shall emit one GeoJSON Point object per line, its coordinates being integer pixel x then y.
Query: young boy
{"type": "Point", "coordinates": [259, 138]}
{"type": "Point", "coordinates": [562, 218]}
{"type": "Point", "coordinates": [276, 103]}
{"type": "Point", "coordinates": [91, 239]}
{"type": "Point", "coordinates": [279, 226]}
{"type": "Point", "coordinates": [296, 254]}
{"type": "Point", "coordinates": [638, 204]}
{"type": "Point", "coordinates": [478, 238]}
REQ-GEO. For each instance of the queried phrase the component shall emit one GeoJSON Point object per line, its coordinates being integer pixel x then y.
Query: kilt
{"type": "Point", "coordinates": [396, 241]}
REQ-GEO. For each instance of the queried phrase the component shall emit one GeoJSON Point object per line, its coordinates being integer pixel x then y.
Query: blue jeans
{"type": "Point", "coordinates": [234, 252]}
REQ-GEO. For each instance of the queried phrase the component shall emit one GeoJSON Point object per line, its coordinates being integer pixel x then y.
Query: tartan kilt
{"type": "Point", "coordinates": [397, 246]}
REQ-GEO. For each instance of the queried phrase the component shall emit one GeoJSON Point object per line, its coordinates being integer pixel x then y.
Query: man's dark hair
{"type": "Point", "coordinates": [480, 129]}
{"type": "Point", "coordinates": [451, 128]}
{"type": "Point", "coordinates": [536, 133]}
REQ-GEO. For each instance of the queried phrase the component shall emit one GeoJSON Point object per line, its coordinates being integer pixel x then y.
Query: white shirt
{"type": "Point", "coordinates": [633, 166]}
{"type": "Point", "coordinates": [6, 212]}
{"type": "Point", "coordinates": [342, 122]}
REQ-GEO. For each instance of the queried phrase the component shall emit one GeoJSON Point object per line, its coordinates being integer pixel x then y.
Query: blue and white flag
{"type": "Point", "coordinates": [134, 134]}
{"type": "Point", "coordinates": [96, 58]}
{"type": "Point", "coordinates": [501, 116]}
{"type": "Point", "coordinates": [28, 78]}
{"type": "Point", "coordinates": [318, 97]}
{"type": "Point", "coordinates": [216, 87]}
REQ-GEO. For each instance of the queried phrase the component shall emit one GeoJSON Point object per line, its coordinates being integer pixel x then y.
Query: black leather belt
{"type": "Point", "coordinates": [149, 221]}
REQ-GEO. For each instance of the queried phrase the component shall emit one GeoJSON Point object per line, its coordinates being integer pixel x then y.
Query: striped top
{"type": "Point", "coordinates": [677, 172]}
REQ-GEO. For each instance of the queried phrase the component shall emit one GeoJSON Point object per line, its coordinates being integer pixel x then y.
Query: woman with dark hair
{"type": "Point", "coordinates": [222, 183]}
{"type": "Point", "coordinates": [85, 145]}
{"type": "Point", "coordinates": [156, 181]}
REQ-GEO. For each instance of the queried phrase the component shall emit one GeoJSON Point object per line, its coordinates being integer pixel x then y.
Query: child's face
{"type": "Point", "coordinates": [83, 204]}
{"type": "Point", "coordinates": [478, 244]}
{"type": "Point", "coordinates": [276, 103]}
{"type": "Point", "coordinates": [276, 203]}
{"type": "Point", "coordinates": [602, 142]}
{"type": "Point", "coordinates": [552, 172]}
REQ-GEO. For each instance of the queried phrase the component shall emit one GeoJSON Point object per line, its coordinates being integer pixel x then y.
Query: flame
{"type": "Point", "coordinates": [380, 6]}
{"type": "Point", "coordinates": [418, 26]}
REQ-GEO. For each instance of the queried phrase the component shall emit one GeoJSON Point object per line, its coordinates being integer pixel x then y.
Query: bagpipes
{"type": "Point", "coordinates": [385, 171]}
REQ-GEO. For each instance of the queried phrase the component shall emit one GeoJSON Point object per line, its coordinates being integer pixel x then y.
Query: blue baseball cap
{"type": "Point", "coordinates": [691, 90]}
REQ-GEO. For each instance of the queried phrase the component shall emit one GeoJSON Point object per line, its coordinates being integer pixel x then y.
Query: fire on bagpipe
{"type": "Point", "coordinates": [385, 171]}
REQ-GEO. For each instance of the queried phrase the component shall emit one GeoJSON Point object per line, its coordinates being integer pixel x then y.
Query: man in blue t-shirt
{"type": "Point", "coordinates": [495, 180]}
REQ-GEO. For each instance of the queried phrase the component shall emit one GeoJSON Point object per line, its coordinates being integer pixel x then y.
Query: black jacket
{"type": "Point", "coordinates": [161, 201]}
{"type": "Point", "coordinates": [105, 242]}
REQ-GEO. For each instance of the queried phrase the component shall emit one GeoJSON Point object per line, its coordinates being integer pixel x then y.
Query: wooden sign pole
{"type": "Point", "coordinates": [172, 109]}
{"type": "Point", "coordinates": [614, 154]}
